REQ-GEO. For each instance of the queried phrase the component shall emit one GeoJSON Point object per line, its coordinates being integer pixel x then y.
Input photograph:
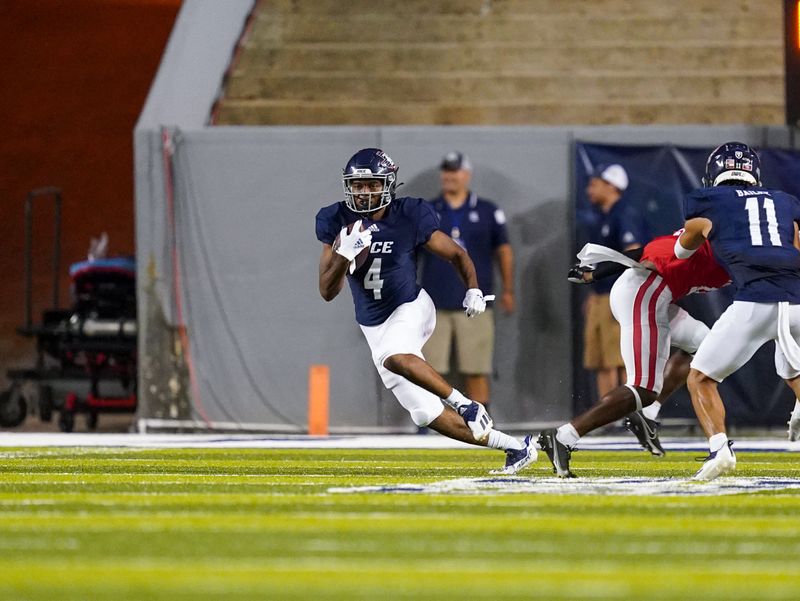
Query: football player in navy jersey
{"type": "Point", "coordinates": [372, 239]}
{"type": "Point", "coordinates": [753, 233]}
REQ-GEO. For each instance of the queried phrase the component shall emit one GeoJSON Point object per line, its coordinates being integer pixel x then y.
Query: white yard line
{"type": "Point", "coordinates": [637, 486]}
{"type": "Point", "coordinates": [387, 441]}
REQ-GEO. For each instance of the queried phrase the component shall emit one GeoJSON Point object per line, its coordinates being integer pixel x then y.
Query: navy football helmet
{"type": "Point", "coordinates": [733, 163]}
{"type": "Point", "coordinates": [372, 164]}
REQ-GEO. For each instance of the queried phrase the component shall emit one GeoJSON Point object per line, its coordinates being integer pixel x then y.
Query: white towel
{"type": "Point", "coordinates": [592, 254]}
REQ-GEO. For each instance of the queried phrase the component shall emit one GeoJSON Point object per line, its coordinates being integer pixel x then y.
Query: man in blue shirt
{"type": "Point", "coordinates": [619, 226]}
{"type": "Point", "coordinates": [372, 239]}
{"type": "Point", "coordinates": [478, 226]}
{"type": "Point", "coordinates": [753, 232]}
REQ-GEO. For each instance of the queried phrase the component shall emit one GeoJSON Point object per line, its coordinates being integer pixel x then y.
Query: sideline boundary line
{"type": "Point", "coordinates": [410, 441]}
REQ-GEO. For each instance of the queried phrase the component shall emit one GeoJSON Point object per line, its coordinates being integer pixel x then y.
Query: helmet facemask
{"type": "Point", "coordinates": [376, 199]}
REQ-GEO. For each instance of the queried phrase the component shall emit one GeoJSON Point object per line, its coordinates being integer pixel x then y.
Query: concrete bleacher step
{"type": "Point", "coordinates": [633, 87]}
{"type": "Point", "coordinates": [630, 26]}
{"type": "Point", "coordinates": [509, 62]}
{"type": "Point", "coordinates": [523, 56]}
{"type": "Point", "coordinates": [511, 7]}
{"type": "Point", "coordinates": [279, 112]}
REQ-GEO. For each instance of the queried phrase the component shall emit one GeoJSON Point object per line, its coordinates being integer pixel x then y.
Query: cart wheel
{"type": "Point", "coordinates": [46, 403]}
{"type": "Point", "coordinates": [91, 420]}
{"type": "Point", "coordinates": [66, 421]}
{"type": "Point", "coordinates": [13, 407]}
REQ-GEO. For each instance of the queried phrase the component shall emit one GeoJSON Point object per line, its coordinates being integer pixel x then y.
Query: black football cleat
{"type": "Point", "coordinates": [646, 432]}
{"type": "Point", "coordinates": [558, 453]}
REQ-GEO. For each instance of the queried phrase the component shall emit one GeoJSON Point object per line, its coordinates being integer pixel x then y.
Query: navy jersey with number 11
{"type": "Point", "coordinates": [752, 237]}
{"type": "Point", "coordinates": [388, 278]}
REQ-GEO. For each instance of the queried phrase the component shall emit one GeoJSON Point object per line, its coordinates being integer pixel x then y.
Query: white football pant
{"type": "Point", "coordinates": [405, 331]}
{"type": "Point", "coordinates": [740, 331]}
{"type": "Point", "coordinates": [650, 324]}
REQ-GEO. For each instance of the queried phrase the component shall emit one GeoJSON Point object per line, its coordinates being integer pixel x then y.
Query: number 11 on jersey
{"type": "Point", "coordinates": [754, 217]}
{"type": "Point", "coordinates": [373, 281]}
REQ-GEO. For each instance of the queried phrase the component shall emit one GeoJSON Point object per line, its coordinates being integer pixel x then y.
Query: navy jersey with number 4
{"type": "Point", "coordinates": [752, 236]}
{"type": "Point", "coordinates": [388, 278]}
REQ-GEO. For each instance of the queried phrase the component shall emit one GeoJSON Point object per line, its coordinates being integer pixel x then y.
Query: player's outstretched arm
{"type": "Point", "coordinates": [332, 269]}
{"type": "Point", "coordinates": [695, 232]}
{"type": "Point", "coordinates": [444, 247]}
{"type": "Point", "coordinates": [591, 274]}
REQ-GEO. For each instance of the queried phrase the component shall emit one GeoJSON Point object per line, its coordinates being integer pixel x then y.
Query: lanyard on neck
{"type": "Point", "coordinates": [457, 216]}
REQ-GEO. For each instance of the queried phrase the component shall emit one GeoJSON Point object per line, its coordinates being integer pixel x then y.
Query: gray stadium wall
{"type": "Point", "coordinates": [244, 250]}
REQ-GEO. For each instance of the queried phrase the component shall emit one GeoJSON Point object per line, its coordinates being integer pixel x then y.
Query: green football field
{"type": "Point", "coordinates": [95, 524]}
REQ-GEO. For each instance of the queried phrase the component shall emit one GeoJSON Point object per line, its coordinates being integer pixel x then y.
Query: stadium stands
{"type": "Point", "coordinates": [313, 62]}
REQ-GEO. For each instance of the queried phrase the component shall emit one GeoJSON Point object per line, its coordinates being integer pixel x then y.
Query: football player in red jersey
{"type": "Point", "coordinates": [642, 301]}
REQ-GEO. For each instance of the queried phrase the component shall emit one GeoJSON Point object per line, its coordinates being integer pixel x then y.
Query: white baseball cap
{"type": "Point", "coordinates": [614, 175]}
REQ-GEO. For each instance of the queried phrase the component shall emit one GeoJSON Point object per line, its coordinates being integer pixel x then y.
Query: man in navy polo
{"type": "Point", "coordinates": [478, 225]}
{"type": "Point", "coordinates": [621, 227]}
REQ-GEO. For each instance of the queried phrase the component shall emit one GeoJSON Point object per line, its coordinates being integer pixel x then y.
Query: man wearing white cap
{"type": "Point", "coordinates": [620, 227]}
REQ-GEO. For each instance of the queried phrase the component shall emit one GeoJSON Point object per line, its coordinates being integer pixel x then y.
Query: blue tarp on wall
{"type": "Point", "coordinates": [659, 178]}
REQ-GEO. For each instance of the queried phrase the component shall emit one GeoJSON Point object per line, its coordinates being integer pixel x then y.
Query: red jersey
{"type": "Point", "coordinates": [698, 273]}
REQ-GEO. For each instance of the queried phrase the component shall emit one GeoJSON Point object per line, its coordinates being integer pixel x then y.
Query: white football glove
{"type": "Point", "coordinates": [353, 243]}
{"type": "Point", "coordinates": [474, 302]}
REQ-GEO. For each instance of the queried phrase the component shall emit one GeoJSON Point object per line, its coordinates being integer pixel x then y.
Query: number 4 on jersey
{"type": "Point", "coordinates": [754, 217]}
{"type": "Point", "coordinates": [373, 281]}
